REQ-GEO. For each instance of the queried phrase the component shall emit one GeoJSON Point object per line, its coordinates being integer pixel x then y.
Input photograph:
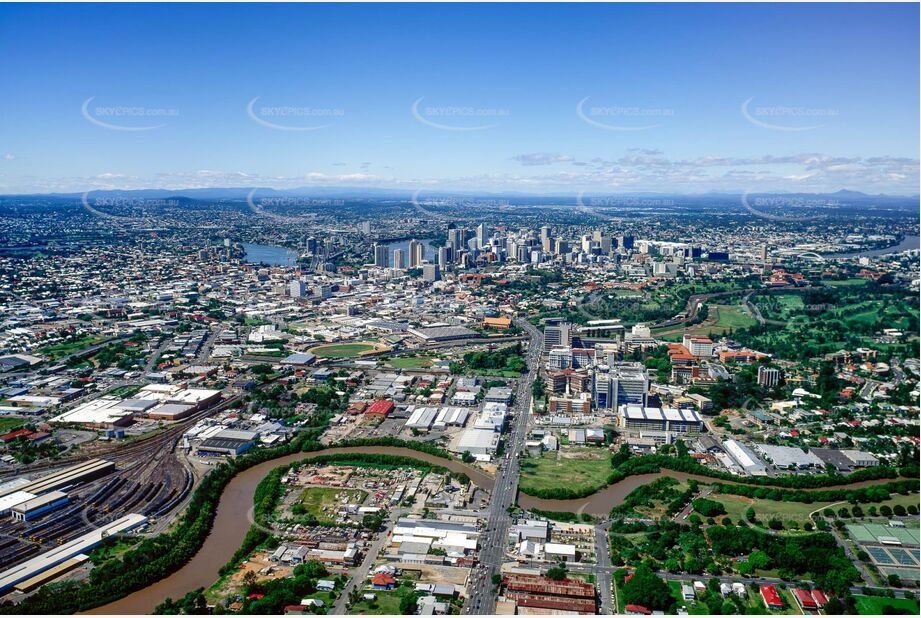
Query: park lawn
{"type": "Point", "coordinates": [575, 468]}
{"type": "Point", "coordinates": [8, 424]}
{"type": "Point", "coordinates": [873, 606]}
{"type": "Point", "coordinates": [342, 350]}
{"type": "Point", "coordinates": [659, 508]}
{"type": "Point", "coordinates": [410, 362]}
{"type": "Point", "coordinates": [125, 391]}
{"type": "Point", "coordinates": [387, 602]}
{"type": "Point", "coordinates": [765, 510]}
{"type": "Point", "coordinates": [781, 306]}
{"type": "Point", "coordinates": [843, 283]}
{"type": "Point", "coordinates": [720, 319]}
{"type": "Point", "coordinates": [58, 350]}
{"type": "Point", "coordinates": [111, 551]}
{"type": "Point", "coordinates": [316, 500]}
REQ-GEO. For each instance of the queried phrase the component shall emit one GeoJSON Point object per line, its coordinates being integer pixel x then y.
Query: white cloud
{"type": "Point", "coordinates": [542, 158]}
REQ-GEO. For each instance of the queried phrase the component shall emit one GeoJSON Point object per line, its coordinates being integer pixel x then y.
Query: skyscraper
{"type": "Point", "coordinates": [381, 257]}
{"type": "Point", "coordinates": [546, 242]}
{"type": "Point", "coordinates": [482, 236]}
{"type": "Point", "coordinates": [416, 253]}
{"type": "Point", "coordinates": [431, 273]}
{"type": "Point", "coordinates": [399, 259]}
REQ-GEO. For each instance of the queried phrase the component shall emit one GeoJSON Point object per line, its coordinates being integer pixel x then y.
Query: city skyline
{"type": "Point", "coordinates": [552, 100]}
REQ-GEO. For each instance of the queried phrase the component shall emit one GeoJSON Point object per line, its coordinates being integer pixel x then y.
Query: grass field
{"type": "Point", "coordinates": [387, 602]}
{"type": "Point", "coordinates": [766, 509]}
{"type": "Point", "coordinates": [845, 282]}
{"type": "Point", "coordinates": [59, 350]}
{"type": "Point", "coordinates": [410, 362]}
{"type": "Point", "coordinates": [873, 606]}
{"type": "Point", "coordinates": [780, 306]}
{"type": "Point", "coordinates": [8, 424]}
{"type": "Point", "coordinates": [321, 502]}
{"type": "Point", "coordinates": [720, 318]}
{"type": "Point", "coordinates": [342, 350]}
{"type": "Point", "coordinates": [581, 467]}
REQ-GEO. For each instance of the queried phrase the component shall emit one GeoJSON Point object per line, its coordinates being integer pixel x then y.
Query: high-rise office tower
{"type": "Point", "coordinates": [381, 257]}
{"type": "Point", "coordinates": [399, 259]}
{"type": "Point", "coordinates": [311, 245]}
{"type": "Point", "coordinates": [482, 235]}
{"type": "Point", "coordinates": [546, 242]}
{"type": "Point", "coordinates": [431, 273]}
{"type": "Point", "coordinates": [445, 256]}
{"type": "Point", "coordinates": [557, 334]}
{"type": "Point", "coordinates": [297, 289]}
{"type": "Point", "coordinates": [416, 253]}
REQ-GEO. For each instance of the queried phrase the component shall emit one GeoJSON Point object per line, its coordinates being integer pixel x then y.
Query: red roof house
{"type": "Point", "coordinates": [771, 598]}
{"type": "Point", "coordinates": [381, 407]}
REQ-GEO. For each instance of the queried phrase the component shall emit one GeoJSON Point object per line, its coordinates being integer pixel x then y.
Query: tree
{"type": "Point", "coordinates": [647, 589]}
{"type": "Point", "coordinates": [707, 507]}
{"type": "Point", "coordinates": [750, 514]}
{"type": "Point", "coordinates": [894, 580]}
{"type": "Point", "coordinates": [557, 572]}
{"type": "Point", "coordinates": [466, 457]}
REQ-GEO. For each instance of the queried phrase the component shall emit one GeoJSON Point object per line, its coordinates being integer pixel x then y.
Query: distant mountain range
{"type": "Point", "coordinates": [239, 193]}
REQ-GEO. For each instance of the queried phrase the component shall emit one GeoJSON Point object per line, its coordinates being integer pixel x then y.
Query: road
{"type": "Point", "coordinates": [359, 574]}
{"type": "Point", "coordinates": [481, 599]}
{"type": "Point", "coordinates": [603, 580]}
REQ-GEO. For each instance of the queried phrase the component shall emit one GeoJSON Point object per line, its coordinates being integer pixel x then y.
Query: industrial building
{"type": "Point", "coordinates": [40, 564]}
{"type": "Point", "coordinates": [451, 417]}
{"type": "Point", "coordinates": [228, 442]}
{"type": "Point", "coordinates": [39, 505]}
{"type": "Point", "coordinates": [421, 418]}
{"type": "Point", "coordinates": [788, 457]}
{"type": "Point", "coordinates": [536, 591]}
{"type": "Point", "coordinates": [80, 473]}
{"type": "Point", "coordinates": [443, 333]}
{"type": "Point", "coordinates": [478, 442]}
{"type": "Point", "coordinates": [744, 458]}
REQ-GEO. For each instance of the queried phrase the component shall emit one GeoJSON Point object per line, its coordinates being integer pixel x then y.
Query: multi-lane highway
{"type": "Point", "coordinates": [481, 599]}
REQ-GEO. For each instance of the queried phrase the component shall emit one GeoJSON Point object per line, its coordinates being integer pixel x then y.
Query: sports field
{"type": "Point", "coordinates": [345, 350]}
{"type": "Point", "coordinates": [870, 533]}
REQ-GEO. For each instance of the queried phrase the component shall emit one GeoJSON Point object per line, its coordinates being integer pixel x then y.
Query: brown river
{"type": "Point", "coordinates": [234, 515]}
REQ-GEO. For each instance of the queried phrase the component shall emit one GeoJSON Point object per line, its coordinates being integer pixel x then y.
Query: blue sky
{"type": "Point", "coordinates": [540, 98]}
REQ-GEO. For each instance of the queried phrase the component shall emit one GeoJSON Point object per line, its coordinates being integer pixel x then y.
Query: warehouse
{"type": "Point", "coordinates": [861, 459]}
{"type": "Point", "coordinates": [228, 442]}
{"type": "Point", "coordinates": [560, 551]}
{"type": "Point", "coordinates": [50, 559]}
{"type": "Point", "coordinates": [443, 333]}
{"type": "Point", "coordinates": [421, 418]}
{"type": "Point", "coordinates": [451, 417]}
{"type": "Point", "coordinates": [744, 458]}
{"type": "Point", "coordinates": [170, 411]}
{"type": "Point", "coordinates": [80, 473]}
{"type": "Point", "coordinates": [789, 457]}
{"type": "Point", "coordinates": [8, 501]}
{"type": "Point", "coordinates": [478, 442]}
{"type": "Point", "coordinates": [99, 413]}
{"type": "Point", "coordinates": [39, 505]}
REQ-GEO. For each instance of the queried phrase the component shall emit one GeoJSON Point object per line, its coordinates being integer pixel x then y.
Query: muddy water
{"type": "Point", "coordinates": [235, 506]}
